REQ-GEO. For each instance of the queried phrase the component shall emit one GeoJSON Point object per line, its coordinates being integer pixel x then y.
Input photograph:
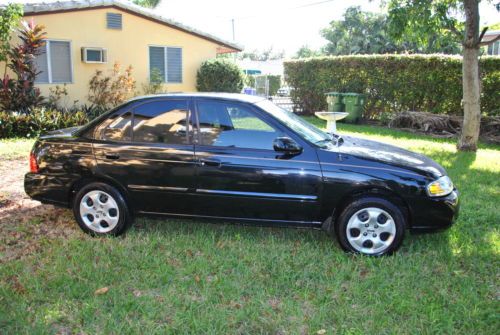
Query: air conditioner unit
{"type": "Point", "coordinates": [94, 55]}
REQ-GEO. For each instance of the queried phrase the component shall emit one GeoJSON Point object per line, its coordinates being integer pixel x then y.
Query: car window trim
{"type": "Point", "coordinates": [256, 111]}
{"type": "Point", "coordinates": [189, 132]}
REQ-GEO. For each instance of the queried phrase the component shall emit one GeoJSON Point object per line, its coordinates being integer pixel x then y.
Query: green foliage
{"type": "Point", "coordinates": [274, 84]}
{"type": "Point", "coordinates": [147, 3]}
{"type": "Point", "coordinates": [393, 83]}
{"type": "Point", "coordinates": [495, 26]}
{"type": "Point", "coordinates": [262, 55]}
{"type": "Point", "coordinates": [155, 84]}
{"type": "Point", "coordinates": [425, 22]}
{"type": "Point", "coordinates": [249, 80]}
{"type": "Point", "coordinates": [366, 33]}
{"type": "Point", "coordinates": [9, 19]}
{"type": "Point", "coordinates": [306, 52]}
{"type": "Point", "coordinates": [20, 94]}
{"type": "Point", "coordinates": [38, 121]}
{"type": "Point", "coordinates": [219, 75]}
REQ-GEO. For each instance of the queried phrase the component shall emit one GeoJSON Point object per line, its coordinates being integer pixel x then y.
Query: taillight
{"type": "Point", "coordinates": [33, 163]}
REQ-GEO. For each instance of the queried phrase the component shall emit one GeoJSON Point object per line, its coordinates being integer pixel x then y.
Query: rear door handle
{"type": "Point", "coordinates": [111, 156]}
{"type": "Point", "coordinates": [209, 162]}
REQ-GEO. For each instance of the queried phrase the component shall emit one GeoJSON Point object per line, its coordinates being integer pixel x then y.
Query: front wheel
{"type": "Point", "coordinates": [100, 209]}
{"type": "Point", "coordinates": [372, 226]}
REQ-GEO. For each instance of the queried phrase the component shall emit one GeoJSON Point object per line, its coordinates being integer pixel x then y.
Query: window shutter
{"type": "Point", "coordinates": [174, 65]}
{"type": "Point", "coordinates": [60, 61]}
{"type": "Point", "coordinates": [42, 66]}
{"type": "Point", "coordinates": [114, 21]}
{"type": "Point", "coordinates": [157, 61]}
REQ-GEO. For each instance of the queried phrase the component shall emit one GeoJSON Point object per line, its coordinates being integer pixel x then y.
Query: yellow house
{"type": "Point", "coordinates": [85, 36]}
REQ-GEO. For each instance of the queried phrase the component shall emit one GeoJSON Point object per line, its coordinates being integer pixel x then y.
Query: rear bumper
{"type": "Point", "coordinates": [436, 214]}
{"type": "Point", "coordinates": [48, 190]}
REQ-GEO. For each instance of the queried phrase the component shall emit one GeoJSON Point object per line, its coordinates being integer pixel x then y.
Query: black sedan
{"type": "Point", "coordinates": [238, 157]}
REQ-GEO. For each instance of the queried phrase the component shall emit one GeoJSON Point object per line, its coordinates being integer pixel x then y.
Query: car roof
{"type": "Point", "coordinates": [224, 96]}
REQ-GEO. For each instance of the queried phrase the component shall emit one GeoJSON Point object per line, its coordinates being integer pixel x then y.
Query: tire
{"type": "Point", "coordinates": [371, 226]}
{"type": "Point", "coordinates": [101, 210]}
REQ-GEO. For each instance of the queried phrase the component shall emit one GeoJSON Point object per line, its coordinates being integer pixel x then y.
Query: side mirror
{"type": "Point", "coordinates": [286, 145]}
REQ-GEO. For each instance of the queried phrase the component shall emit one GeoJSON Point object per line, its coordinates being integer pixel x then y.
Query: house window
{"type": "Point", "coordinates": [114, 21]}
{"type": "Point", "coordinates": [94, 55]}
{"type": "Point", "coordinates": [494, 48]}
{"type": "Point", "coordinates": [165, 62]}
{"type": "Point", "coordinates": [54, 63]}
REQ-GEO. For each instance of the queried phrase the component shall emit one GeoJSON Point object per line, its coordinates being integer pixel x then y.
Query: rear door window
{"type": "Point", "coordinates": [117, 128]}
{"type": "Point", "coordinates": [161, 121]}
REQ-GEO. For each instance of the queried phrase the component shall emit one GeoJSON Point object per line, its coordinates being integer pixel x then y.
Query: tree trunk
{"type": "Point", "coordinates": [470, 78]}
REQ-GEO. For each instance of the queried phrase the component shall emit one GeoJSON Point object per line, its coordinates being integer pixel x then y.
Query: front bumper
{"type": "Point", "coordinates": [435, 214]}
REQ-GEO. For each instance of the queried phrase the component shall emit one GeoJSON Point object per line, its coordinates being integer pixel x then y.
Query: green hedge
{"type": "Point", "coordinates": [393, 83]}
{"type": "Point", "coordinates": [38, 121]}
{"type": "Point", "coordinates": [219, 75]}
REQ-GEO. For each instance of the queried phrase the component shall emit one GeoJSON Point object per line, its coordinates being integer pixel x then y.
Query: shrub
{"type": "Point", "coordinates": [110, 90]}
{"type": "Point", "coordinates": [219, 75]}
{"type": "Point", "coordinates": [393, 83]}
{"type": "Point", "coordinates": [155, 84]}
{"type": "Point", "coordinates": [274, 84]}
{"type": "Point", "coordinates": [38, 121]}
{"type": "Point", "coordinates": [19, 93]}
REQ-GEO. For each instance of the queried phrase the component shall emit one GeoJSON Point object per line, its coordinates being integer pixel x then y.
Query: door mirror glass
{"type": "Point", "coordinates": [286, 145]}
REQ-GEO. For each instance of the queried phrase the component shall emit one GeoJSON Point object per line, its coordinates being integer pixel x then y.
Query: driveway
{"type": "Point", "coordinates": [25, 225]}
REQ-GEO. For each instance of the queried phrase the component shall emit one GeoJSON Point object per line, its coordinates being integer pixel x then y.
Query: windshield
{"type": "Point", "coordinates": [306, 130]}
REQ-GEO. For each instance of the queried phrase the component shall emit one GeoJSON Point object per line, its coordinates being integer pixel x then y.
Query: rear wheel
{"type": "Point", "coordinates": [100, 209]}
{"type": "Point", "coordinates": [372, 226]}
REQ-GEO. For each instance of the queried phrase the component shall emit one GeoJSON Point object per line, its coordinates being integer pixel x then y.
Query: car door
{"type": "Point", "coordinates": [239, 175]}
{"type": "Point", "coordinates": [148, 149]}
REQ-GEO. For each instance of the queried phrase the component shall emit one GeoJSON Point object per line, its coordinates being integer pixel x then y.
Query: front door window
{"type": "Point", "coordinates": [231, 125]}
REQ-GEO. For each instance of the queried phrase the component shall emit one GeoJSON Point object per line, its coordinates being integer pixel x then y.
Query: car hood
{"type": "Point", "coordinates": [390, 154]}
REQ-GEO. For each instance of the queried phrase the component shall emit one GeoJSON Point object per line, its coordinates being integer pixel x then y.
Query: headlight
{"type": "Point", "coordinates": [442, 186]}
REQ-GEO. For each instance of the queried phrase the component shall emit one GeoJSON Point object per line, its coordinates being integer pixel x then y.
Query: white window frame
{"type": "Point", "coordinates": [104, 55]}
{"type": "Point", "coordinates": [165, 79]}
{"type": "Point", "coordinates": [49, 65]}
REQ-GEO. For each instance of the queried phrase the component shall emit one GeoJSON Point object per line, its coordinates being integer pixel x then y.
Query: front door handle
{"type": "Point", "coordinates": [111, 156]}
{"type": "Point", "coordinates": [209, 162]}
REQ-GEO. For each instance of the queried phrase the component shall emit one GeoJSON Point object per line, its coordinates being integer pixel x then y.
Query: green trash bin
{"type": "Point", "coordinates": [334, 100]}
{"type": "Point", "coordinates": [354, 105]}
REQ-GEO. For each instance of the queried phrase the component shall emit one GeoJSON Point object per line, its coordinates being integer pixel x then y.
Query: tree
{"type": "Point", "coordinates": [147, 3]}
{"type": "Point", "coordinates": [9, 19]}
{"type": "Point", "coordinates": [306, 52]}
{"type": "Point", "coordinates": [420, 20]}
{"type": "Point", "coordinates": [262, 55]}
{"type": "Point", "coordinates": [362, 32]}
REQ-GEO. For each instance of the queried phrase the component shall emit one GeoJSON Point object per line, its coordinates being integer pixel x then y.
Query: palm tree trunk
{"type": "Point", "coordinates": [470, 79]}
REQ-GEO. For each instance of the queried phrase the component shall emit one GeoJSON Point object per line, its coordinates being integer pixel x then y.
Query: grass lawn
{"type": "Point", "coordinates": [190, 277]}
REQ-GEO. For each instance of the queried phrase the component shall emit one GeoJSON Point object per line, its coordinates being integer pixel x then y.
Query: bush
{"type": "Point", "coordinates": [393, 83]}
{"type": "Point", "coordinates": [111, 90]}
{"type": "Point", "coordinates": [20, 93]}
{"type": "Point", "coordinates": [155, 84]}
{"type": "Point", "coordinates": [219, 75]}
{"type": "Point", "coordinates": [38, 121]}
